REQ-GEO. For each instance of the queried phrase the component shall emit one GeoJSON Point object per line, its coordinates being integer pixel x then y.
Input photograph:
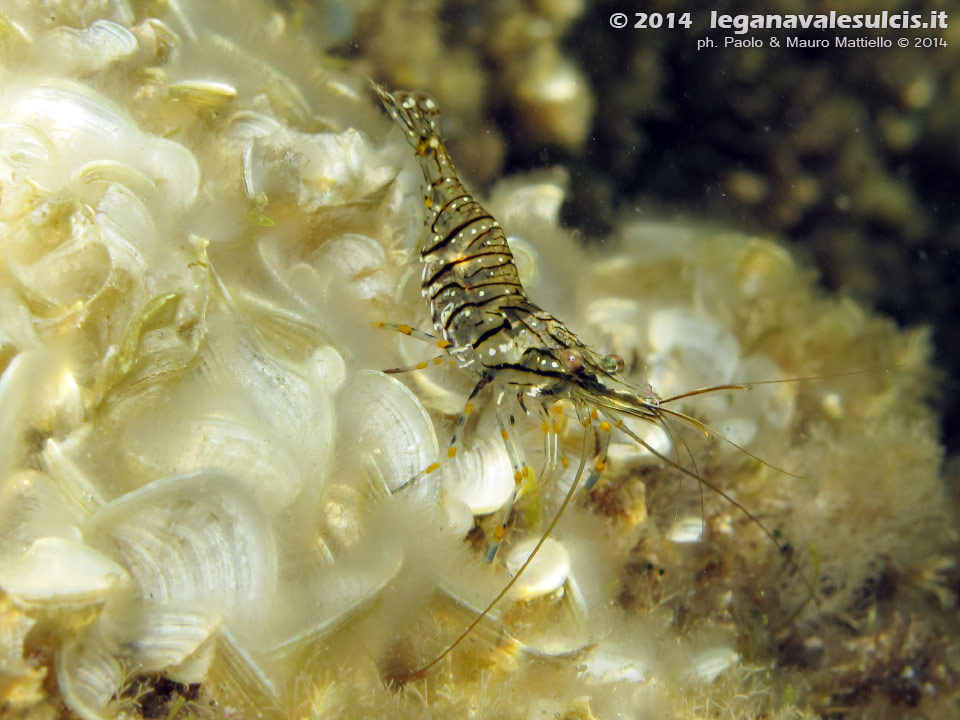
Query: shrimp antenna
{"type": "Point", "coordinates": [676, 442]}
{"type": "Point", "coordinates": [710, 431]}
{"type": "Point", "coordinates": [726, 496]}
{"type": "Point", "coordinates": [749, 385]}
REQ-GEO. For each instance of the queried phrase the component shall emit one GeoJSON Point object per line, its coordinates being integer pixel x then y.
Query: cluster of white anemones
{"type": "Point", "coordinates": [172, 388]}
{"type": "Point", "coordinates": [199, 458]}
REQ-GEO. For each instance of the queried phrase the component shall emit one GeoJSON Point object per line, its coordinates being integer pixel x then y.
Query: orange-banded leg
{"type": "Point", "coordinates": [506, 588]}
{"type": "Point", "coordinates": [601, 439]}
{"type": "Point", "coordinates": [551, 447]}
{"type": "Point", "coordinates": [465, 414]}
{"type": "Point", "coordinates": [520, 472]}
{"type": "Point", "coordinates": [438, 360]}
{"type": "Point", "coordinates": [557, 424]}
{"type": "Point", "coordinates": [455, 438]}
{"type": "Point", "coordinates": [414, 332]}
{"type": "Point", "coordinates": [419, 335]}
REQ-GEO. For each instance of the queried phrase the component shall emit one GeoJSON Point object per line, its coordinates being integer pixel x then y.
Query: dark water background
{"type": "Point", "coordinates": [852, 156]}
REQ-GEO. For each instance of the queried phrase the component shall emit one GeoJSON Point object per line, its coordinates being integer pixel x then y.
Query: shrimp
{"type": "Point", "coordinates": [518, 351]}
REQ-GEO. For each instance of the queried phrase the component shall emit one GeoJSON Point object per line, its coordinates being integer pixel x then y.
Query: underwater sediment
{"type": "Point", "coordinates": [201, 462]}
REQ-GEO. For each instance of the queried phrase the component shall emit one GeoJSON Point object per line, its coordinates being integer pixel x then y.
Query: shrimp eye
{"type": "Point", "coordinates": [571, 359]}
{"type": "Point", "coordinates": [613, 364]}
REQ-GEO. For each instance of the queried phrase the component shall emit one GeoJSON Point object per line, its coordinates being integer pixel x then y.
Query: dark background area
{"type": "Point", "coordinates": [852, 156]}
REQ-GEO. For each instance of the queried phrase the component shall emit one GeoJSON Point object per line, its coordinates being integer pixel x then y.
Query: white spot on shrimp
{"type": "Point", "coordinates": [492, 351]}
{"type": "Point", "coordinates": [482, 293]}
{"type": "Point", "coordinates": [554, 364]}
{"type": "Point", "coordinates": [408, 103]}
{"type": "Point", "coordinates": [429, 104]}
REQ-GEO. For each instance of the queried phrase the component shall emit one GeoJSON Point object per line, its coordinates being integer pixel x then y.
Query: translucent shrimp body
{"type": "Point", "coordinates": [476, 300]}
{"type": "Point", "coordinates": [518, 351]}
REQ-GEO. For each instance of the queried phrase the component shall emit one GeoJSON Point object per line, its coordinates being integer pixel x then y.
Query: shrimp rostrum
{"type": "Point", "coordinates": [519, 353]}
